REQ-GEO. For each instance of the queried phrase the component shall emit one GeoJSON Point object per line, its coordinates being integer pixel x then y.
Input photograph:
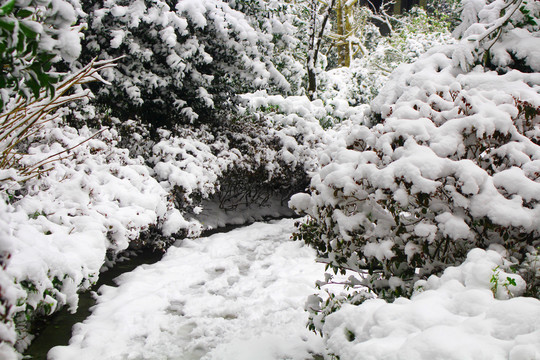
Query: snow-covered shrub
{"type": "Point", "coordinates": [244, 161]}
{"type": "Point", "coordinates": [454, 165]}
{"type": "Point", "coordinates": [271, 164]}
{"type": "Point", "coordinates": [446, 10]}
{"type": "Point", "coordinates": [59, 229]}
{"type": "Point", "coordinates": [285, 24]}
{"type": "Point", "coordinates": [27, 116]}
{"type": "Point", "coordinates": [184, 59]}
{"type": "Point", "coordinates": [454, 316]}
{"type": "Point", "coordinates": [34, 35]}
{"type": "Point", "coordinates": [411, 35]}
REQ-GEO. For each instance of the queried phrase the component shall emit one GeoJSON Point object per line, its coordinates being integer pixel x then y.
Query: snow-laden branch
{"type": "Point", "coordinates": [26, 118]}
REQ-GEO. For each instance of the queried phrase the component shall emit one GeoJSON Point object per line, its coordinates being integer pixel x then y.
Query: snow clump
{"type": "Point", "coordinates": [454, 316]}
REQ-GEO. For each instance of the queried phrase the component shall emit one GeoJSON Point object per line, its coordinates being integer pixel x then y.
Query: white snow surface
{"type": "Point", "coordinates": [455, 316]}
{"type": "Point", "coordinates": [237, 295]}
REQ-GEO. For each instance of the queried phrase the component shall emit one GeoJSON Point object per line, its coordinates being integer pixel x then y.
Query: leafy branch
{"type": "Point", "coordinates": [27, 118]}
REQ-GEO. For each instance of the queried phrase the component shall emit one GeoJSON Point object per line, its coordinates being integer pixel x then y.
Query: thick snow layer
{"type": "Point", "coordinates": [455, 316]}
{"type": "Point", "coordinates": [238, 295]}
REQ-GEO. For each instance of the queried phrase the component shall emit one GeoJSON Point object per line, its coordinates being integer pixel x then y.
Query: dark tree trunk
{"type": "Point", "coordinates": [315, 41]}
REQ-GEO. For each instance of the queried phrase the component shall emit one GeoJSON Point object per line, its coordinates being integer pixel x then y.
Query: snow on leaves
{"type": "Point", "coordinates": [182, 60]}
{"type": "Point", "coordinates": [453, 165]}
{"type": "Point", "coordinates": [35, 35]}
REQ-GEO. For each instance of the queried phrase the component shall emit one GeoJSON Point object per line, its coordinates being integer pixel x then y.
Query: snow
{"type": "Point", "coordinates": [238, 295]}
{"type": "Point", "coordinates": [241, 295]}
{"type": "Point", "coordinates": [452, 317]}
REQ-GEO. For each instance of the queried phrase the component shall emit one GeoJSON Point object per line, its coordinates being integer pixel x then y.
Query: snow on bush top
{"type": "Point", "coordinates": [454, 316]}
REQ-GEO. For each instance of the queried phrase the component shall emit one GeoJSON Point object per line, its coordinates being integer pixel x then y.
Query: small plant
{"type": "Point", "coordinates": [36, 214]}
{"type": "Point", "coordinates": [496, 282]}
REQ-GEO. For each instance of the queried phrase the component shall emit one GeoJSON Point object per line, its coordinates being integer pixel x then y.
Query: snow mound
{"type": "Point", "coordinates": [454, 316]}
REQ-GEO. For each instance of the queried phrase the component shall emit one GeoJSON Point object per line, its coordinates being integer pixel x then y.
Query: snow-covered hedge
{"type": "Point", "coordinates": [183, 58]}
{"type": "Point", "coordinates": [453, 165]}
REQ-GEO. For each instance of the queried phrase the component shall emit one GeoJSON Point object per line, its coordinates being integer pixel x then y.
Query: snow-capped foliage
{"type": "Point", "coordinates": [500, 34]}
{"type": "Point", "coordinates": [35, 34]}
{"type": "Point", "coordinates": [284, 22]}
{"type": "Point", "coordinates": [412, 34]}
{"type": "Point", "coordinates": [94, 201]}
{"type": "Point", "coordinates": [454, 316]}
{"type": "Point", "coordinates": [183, 58]}
{"type": "Point", "coordinates": [246, 161]}
{"type": "Point", "coordinates": [454, 165]}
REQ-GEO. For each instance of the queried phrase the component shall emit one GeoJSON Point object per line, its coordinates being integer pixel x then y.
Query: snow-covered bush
{"type": "Point", "coordinates": [285, 24]}
{"type": "Point", "coordinates": [185, 60]}
{"type": "Point", "coordinates": [59, 229]}
{"type": "Point", "coordinates": [454, 165]}
{"type": "Point", "coordinates": [35, 34]}
{"type": "Point", "coordinates": [244, 161]}
{"type": "Point", "coordinates": [454, 316]}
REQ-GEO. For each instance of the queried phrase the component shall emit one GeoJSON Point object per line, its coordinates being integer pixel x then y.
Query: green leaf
{"type": "Point", "coordinates": [21, 44]}
{"type": "Point", "coordinates": [7, 24]}
{"type": "Point", "coordinates": [52, 90]}
{"type": "Point", "coordinates": [34, 86]}
{"type": "Point", "coordinates": [7, 8]}
{"type": "Point", "coordinates": [24, 13]}
{"type": "Point", "coordinates": [42, 78]}
{"type": "Point", "coordinates": [27, 31]}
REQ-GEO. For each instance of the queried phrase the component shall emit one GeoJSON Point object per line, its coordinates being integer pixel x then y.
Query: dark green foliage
{"type": "Point", "coordinates": [176, 69]}
{"type": "Point", "coordinates": [25, 68]}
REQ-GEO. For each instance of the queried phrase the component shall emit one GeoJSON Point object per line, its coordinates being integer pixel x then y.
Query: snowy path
{"type": "Point", "coordinates": [238, 295]}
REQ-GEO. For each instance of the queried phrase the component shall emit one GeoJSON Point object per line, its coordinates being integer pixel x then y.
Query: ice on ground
{"type": "Point", "coordinates": [238, 295]}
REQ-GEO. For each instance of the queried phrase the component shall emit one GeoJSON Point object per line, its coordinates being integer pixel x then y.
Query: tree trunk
{"type": "Point", "coordinates": [397, 7]}
{"type": "Point", "coordinates": [340, 31]}
{"type": "Point", "coordinates": [315, 40]}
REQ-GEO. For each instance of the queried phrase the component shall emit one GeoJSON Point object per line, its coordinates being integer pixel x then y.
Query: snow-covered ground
{"type": "Point", "coordinates": [238, 295]}
{"type": "Point", "coordinates": [241, 296]}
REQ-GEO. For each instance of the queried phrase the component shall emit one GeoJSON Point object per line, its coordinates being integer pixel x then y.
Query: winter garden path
{"type": "Point", "coordinates": [238, 295]}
